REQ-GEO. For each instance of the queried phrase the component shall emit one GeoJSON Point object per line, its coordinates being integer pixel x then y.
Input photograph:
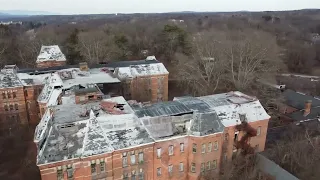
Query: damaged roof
{"type": "Point", "coordinates": [206, 123]}
{"type": "Point", "coordinates": [50, 53]}
{"type": "Point", "coordinates": [298, 100]}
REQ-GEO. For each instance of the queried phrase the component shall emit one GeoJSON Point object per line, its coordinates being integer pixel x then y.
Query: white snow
{"type": "Point", "coordinates": [53, 100]}
{"type": "Point", "coordinates": [42, 126]}
{"type": "Point", "coordinates": [50, 53]}
{"type": "Point", "coordinates": [141, 70]}
{"type": "Point", "coordinates": [37, 79]}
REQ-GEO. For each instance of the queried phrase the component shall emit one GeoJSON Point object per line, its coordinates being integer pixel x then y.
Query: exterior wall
{"type": "Point", "coordinates": [115, 169]}
{"type": "Point", "coordinates": [175, 159]}
{"type": "Point", "coordinates": [150, 88]}
{"type": "Point", "coordinates": [51, 63]}
{"type": "Point", "coordinates": [16, 106]}
{"type": "Point", "coordinates": [31, 94]}
{"type": "Point", "coordinates": [96, 96]}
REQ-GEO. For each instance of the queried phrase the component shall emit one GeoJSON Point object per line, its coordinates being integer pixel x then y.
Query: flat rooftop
{"type": "Point", "coordinates": [141, 70]}
{"type": "Point", "coordinates": [79, 130]}
{"type": "Point", "coordinates": [50, 53]}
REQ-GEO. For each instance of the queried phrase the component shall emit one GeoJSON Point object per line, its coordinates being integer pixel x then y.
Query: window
{"type": "Point", "coordinates": [4, 95]}
{"type": "Point", "coordinates": [59, 174]}
{"type": "Point", "coordinates": [216, 145]}
{"type": "Point", "coordinates": [69, 172]}
{"type": "Point", "coordinates": [16, 106]}
{"type": "Point", "coordinates": [202, 167]}
{"type": "Point", "coordinates": [93, 168]}
{"type": "Point", "coordinates": [181, 167]}
{"type": "Point", "coordinates": [82, 98]}
{"type": "Point", "coordinates": [125, 176]}
{"type": "Point", "coordinates": [158, 171]}
{"type": "Point", "coordinates": [259, 131]}
{"type": "Point", "coordinates": [203, 148]}
{"type": "Point", "coordinates": [9, 95]}
{"type": "Point", "coordinates": [170, 169]}
{"type": "Point", "coordinates": [141, 175]}
{"type": "Point", "coordinates": [124, 160]}
{"type": "Point", "coordinates": [14, 94]}
{"type": "Point", "coordinates": [159, 153]}
{"type": "Point", "coordinates": [193, 167]}
{"type": "Point", "coordinates": [208, 165]}
{"type": "Point", "coordinates": [181, 147]}
{"type": "Point", "coordinates": [170, 150]}
{"type": "Point", "coordinates": [133, 175]}
{"type": "Point", "coordinates": [133, 158]}
{"type": "Point", "coordinates": [194, 148]}
{"type": "Point", "coordinates": [102, 166]}
{"type": "Point", "coordinates": [226, 137]}
{"type": "Point", "coordinates": [236, 136]}
{"type": "Point", "coordinates": [11, 107]}
{"type": "Point", "coordinates": [210, 147]}
{"type": "Point", "coordinates": [6, 107]}
{"type": "Point", "coordinates": [225, 157]}
{"type": "Point", "coordinates": [26, 93]}
{"type": "Point", "coordinates": [141, 157]}
{"type": "Point", "coordinates": [214, 164]}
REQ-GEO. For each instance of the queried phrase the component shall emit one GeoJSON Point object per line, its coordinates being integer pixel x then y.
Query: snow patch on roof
{"type": "Point", "coordinates": [141, 70]}
{"type": "Point", "coordinates": [50, 53]}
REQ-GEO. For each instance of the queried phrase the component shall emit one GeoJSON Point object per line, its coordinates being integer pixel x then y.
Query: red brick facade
{"type": "Point", "coordinates": [50, 63]}
{"type": "Point", "coordinates": [185, 157]}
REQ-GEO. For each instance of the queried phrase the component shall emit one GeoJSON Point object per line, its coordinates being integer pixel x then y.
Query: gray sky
{"type": "Point", "coordinates": [130, 6]}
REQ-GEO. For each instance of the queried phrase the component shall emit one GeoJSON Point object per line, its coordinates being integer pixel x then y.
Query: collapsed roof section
{"type": "Point", "coordinates": [81, 130]}
{"type": "Point", "coordinates": [50, 53]}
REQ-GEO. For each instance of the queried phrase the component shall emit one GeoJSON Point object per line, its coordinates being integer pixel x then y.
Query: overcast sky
{"type": "Point", "coordinates": [131, 6]}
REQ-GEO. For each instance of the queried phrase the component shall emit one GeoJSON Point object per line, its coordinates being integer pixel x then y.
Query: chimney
{"type": "Point", "coordinates": [83, 66]}
{"type": "Point", "coordinates": [307, 108]}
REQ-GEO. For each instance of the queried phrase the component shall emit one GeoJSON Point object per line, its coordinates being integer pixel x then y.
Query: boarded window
{"type": "Point", "coordinates": [181, 147]}
{"type": "Point", "coordinates": [170, 150]}
{"type": "Point", "coordinates": [159, 153]}
{"type": "Point", "coordinates": [203, 148]}
{"type": "Point", "coordinates": [210, 147]}
{"type": "Point", "coordinates": [216, 145]}
{"type": "Point", "coordinates": [181, 167]}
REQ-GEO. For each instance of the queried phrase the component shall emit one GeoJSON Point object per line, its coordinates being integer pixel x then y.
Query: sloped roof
{"type": "Point", "coordinates": [206, 123]}
{"type": "Point", "coordinates": [297, 100]}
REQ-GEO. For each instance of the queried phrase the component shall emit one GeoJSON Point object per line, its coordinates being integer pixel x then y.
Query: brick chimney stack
{"type": "Point", "coordinates": [307, 108]}
{"type": "Point", "coordinates": [83, 66]}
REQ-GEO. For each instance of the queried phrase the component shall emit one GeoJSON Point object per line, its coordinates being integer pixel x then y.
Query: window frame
{"type": "Point", "coordinates": [140, 157]}
{"type": "Point", "coordinates": [170, 150]}
{"type": "Point", "coordinates": [181, 167]}
{"type": "Point", "coordinates": [216, 146]}
{"type": "Point", "coordinates": [194, 148]}
{"type": "Point", "coordinates": [181, 147]}
{"type": "Point", "coordinates": [159, 173]}
{"type": "Point", "coordinates": [193, 167]}
{"type": "Point", "coordinates": [203, 148]}
{"type": "Point", "coordinates": [259, 131]}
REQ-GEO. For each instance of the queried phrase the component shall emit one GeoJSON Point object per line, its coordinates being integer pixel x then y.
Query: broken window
{"type": "Point", "coordinates": [4, 95]}
{"type": "Point", "coordinates": [170, 169]}
{"type": "Point", "coordinates": [203, 148]}
{"type": "Point", "coordinates": [124, 160]}
{"type": "Point", "coordinates": [194, 148]}
{"type": "Point", "coordinates": [133, 158]}
{"type": "Point", "coordinates": [202, 167]}
{"type": "Point", "coordinates": [14, 94]}
{"type": "Point", "coordinates": [11, 107]}
{"type": "Point", "coordinates": [159, 171]}
{"type": "Point", "coordinates": [236, 136]}
{"type": "Point", "coordinates": [208, 165]}
{"type": "Point", "coordinates": [210, 147]}
{"type": "Point", "coordinates": [102, 166]}
{"type": "Point", "coordinates": [91, 97]}
{"type": "Point", "coordinates": [193, 167]}
{"type": "Point", "coordinates": [214, 164]}
{"type": "Point", "coordinates": [133, 175]}
{"type": "Point", "coordinates": [16, 106]}
{"type": "Point", "coordinates": [9, 95]}
{"type": "Point", "coordinates": [26, 93]}
{"type": "Point", "coordinates": [170, 150]}
{"type": "Point", "coordinates": [181, 167]}
{"type": "Point", "coordinates": [159, 153]}
{"type": "Point", "coordinates": [258, 130]}
{"type": "Point", "coordinates": [140, 157]}
{"type": "Point", "coordinates": [6, 107]}
{"type": "Point", "coordinates": [93, 168]}
{"type": "Point", "coordinates": [216, 145]}
{"type": "Point", "coordinates": [181, 147]}
{"type": "Point", "coordinates": [59, 174]}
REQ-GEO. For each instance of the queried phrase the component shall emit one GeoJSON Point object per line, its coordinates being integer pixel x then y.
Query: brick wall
{"type": "Point", "coordinates": [51, 63]}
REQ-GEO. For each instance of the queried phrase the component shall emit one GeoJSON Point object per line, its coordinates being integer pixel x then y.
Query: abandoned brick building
{"type": "Point", "coordinates": [117, 139]}
{"type": "Point", "coordinates": [26, 93]}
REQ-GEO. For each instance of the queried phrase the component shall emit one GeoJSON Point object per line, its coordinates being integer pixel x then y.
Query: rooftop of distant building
{"type": "Point", "coordinates": [80, 130]}
{"type": "Point", "coordinates": [8, 77]}
{"type": "Point", "coordinates": [50, 53]}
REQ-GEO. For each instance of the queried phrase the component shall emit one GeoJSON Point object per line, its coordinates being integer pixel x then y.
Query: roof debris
{"type": "Point", "coordinates": [50, 53]}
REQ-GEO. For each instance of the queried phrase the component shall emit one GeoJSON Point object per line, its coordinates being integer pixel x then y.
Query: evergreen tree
{"type": "Point", "coordinates": [72, 48]}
